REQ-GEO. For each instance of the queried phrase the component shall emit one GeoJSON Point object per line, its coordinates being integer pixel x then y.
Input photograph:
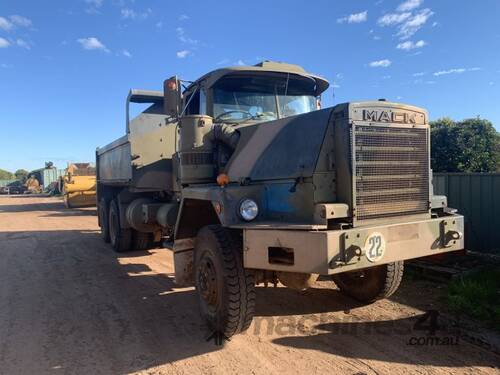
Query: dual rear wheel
{"type": "Point", "coordinates": [113, 231]}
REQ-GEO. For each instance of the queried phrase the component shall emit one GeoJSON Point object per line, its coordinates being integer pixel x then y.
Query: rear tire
{"type": "Point", "coordinates": [226, 290]}
{"type": "Point", "coordinates": [141, 240]}
{"type": "Point", "coordinates": [120, 237]}
{"type": "Point", "coordinates": [103, 212]}
{"type": "Point", "coordinates": [371, 284]}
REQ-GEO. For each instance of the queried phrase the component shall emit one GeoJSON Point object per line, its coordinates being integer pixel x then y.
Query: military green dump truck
{"type": "Point", "coordinates": [253, 183]}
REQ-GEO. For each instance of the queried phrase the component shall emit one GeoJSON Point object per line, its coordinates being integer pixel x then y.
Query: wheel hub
{"type": "Point", "coordinates": [207, 282]}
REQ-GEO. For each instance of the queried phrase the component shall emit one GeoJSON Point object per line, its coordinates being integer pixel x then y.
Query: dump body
{"type": "Point", "coordinates": [142, 159]}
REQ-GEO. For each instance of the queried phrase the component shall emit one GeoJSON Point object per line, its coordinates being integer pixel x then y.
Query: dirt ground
{"type": "Point", "coordinates": [69, 305]}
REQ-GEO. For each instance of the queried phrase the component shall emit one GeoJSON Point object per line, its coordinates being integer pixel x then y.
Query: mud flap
{"type": "Point", "coordinates": [183, 263]}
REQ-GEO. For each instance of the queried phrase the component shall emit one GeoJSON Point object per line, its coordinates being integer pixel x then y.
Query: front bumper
{"type": "Point", "coordinates": [334, 251]}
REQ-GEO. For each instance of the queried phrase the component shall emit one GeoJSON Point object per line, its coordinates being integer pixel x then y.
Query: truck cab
{"type": "Point", "coordinates": [265, 92]}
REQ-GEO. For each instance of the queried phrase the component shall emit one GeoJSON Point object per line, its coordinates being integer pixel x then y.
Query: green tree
{"type": "Point", "coordinates": [21, 174]}
{"type": "Point", "coordinates": [471, 145]}
{"type": "Point", "coordinates": [6, 175]}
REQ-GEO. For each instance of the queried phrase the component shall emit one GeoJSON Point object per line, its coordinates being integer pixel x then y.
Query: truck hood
{"type": "Point", "coordinates": [281, 149]}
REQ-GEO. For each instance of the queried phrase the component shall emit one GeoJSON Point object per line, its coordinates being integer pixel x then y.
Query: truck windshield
{"type": "Point", "coordinates": [262, 97]}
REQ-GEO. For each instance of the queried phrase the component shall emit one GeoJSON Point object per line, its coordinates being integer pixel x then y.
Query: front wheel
{"type": "Point", "coordinates": [371, 284]}
{"type": "Point", "coordinates": [225, 289]}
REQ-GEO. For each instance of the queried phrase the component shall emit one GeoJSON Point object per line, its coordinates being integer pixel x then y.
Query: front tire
{"type": "Point", "coordinates": [371, 284]}
{"type": "Point", "coordinates": [120, 237]}
{"type": "Point", "coordinates": [226, 290]}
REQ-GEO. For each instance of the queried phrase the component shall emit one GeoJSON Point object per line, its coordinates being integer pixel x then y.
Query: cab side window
{"type": "Point", "coordinates": [193, 107]}
{"type": "Point", "coordinates": [197, 102]}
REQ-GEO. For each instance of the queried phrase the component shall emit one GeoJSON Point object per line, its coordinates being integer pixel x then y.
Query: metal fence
{"type": "Point", "coordinates": [6, 182]}
{"type": "Point", "coordinates": [477, 197]}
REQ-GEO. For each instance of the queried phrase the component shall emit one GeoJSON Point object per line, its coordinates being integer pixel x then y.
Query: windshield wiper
{"type": "Point", "coordinates": [254, 117]}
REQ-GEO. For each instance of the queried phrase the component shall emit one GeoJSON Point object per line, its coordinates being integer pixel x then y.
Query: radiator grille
{"type": "Point", "coordinates": [392, 171]}
{"type": "Point", "coordinates": [196, 158]}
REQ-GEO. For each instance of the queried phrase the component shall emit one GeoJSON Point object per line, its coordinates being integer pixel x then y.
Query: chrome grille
{"type": "Point", "coordinates": [392, 171]}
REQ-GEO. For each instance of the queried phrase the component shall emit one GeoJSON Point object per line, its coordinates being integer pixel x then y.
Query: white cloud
{"type": "Point", "coordinates": [414, 23]}
{"type": "Point", "coordinates": [92, 43]}
{"type": "Point", "coordinates": [126, 53]}
{"type": "Point", "coordinates": [93, 6]}
{"type": "Point", "coordinates": [390, 19]}
{"type": "Point", "coordinates": [128, 13]}
{"type": "Point", "coordinates": [13, 21]}
{"type": "Point", "coordinates": [159, 25]}
{"type": "Point", "coordinates": [95, 3]}
{"type": "Point", "coordinates": [240, 62]}
{"type": "Point", "coordinates": [183, 17]}
{"type": "Point", "coordinates": [5, 24]}
{"type": "Point", "coordinates": [354, 18]}
{"type": "Point", "coordinates": [409, 45]}
{"type": "Point", "coordinates": [222, 62]}
{"type": "Point", "coordinates": [380, 63]}
{"type": "Point", "coordinates": [5, 66]}
{"type": "Point", "coordinates": [182, 54]}
{"type": "Point", "coordinates": [20, 21]}
{"type": "Point", "coordinates": [4, 43]}
{"type": "Point", "coordinates": [450, 71]}
{"type": "Point", "coordinates": [335, 86]}
{"type": "Point", "coordinates": [419, 74]}
{"type": "Point", "coordinates": [23, 44]}
{"type": "Point", "coordinates": [183, 37]}
{"type": "Point", "coordinates": [455, 71]}
{"type": "Point", "coordinates": [409, 5]}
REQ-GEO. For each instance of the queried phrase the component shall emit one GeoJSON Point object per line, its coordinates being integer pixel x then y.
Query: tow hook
{"type": "Point", "coordinates": [449, 233]}
{"type": "Point", "coordinates": [452, 235]}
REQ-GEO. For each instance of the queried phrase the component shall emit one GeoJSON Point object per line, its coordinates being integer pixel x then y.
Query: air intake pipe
{"type": "Point", "coordinates": [198, 136]}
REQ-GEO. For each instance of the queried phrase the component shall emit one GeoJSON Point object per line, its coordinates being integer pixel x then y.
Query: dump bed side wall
{"type": "Point", "coordinates": [114, 167]}
{"type": "Point", "coordinates": [114, 163]}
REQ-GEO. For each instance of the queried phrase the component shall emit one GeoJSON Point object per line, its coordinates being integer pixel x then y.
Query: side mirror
{"type": "Point", "coordinates": [172, 97]}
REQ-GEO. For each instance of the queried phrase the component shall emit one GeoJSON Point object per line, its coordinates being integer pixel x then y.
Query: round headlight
{"type": "Point", "coordinates": [248, 209]}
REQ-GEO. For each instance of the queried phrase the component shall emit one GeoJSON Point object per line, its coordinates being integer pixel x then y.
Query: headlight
{"type": "Point", "coordinates": [248, 209]}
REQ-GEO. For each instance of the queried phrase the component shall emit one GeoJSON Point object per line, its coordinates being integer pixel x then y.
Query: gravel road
{"type": "Point", "coordinates": [69, 305]}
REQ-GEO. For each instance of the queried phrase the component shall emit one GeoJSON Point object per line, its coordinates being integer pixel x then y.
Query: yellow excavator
{"type": "Point", "coordinates": [78, 185]}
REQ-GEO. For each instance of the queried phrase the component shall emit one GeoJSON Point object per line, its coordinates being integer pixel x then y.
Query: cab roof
{"type": "Point", "coordinates": [264, 66]}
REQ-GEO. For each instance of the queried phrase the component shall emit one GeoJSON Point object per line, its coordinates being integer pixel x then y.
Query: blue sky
{"type": "Point", "coordinates": [66, 65]}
